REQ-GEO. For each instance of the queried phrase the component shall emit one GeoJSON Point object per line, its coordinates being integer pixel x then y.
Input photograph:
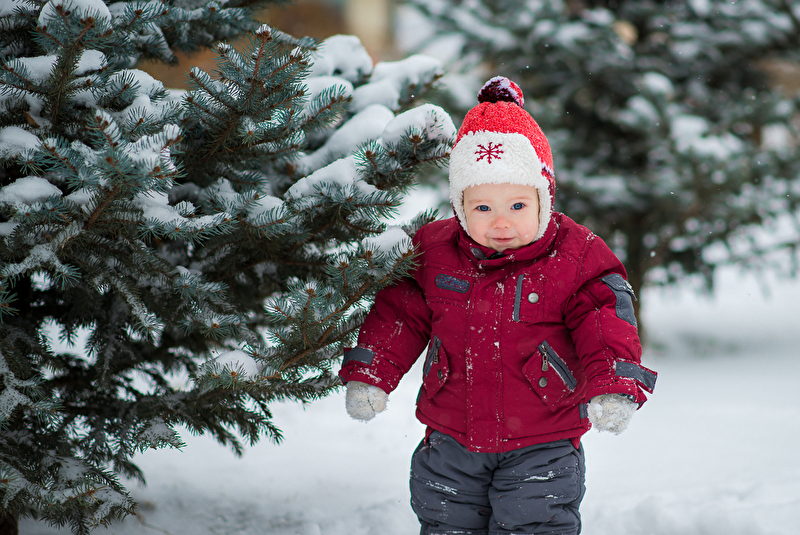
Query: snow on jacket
{"type": "Point", "coordinates": [517, 342]}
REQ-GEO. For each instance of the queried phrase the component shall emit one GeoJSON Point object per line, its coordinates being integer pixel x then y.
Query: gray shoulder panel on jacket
{"type": "Point", "coordinates": [625, 296]}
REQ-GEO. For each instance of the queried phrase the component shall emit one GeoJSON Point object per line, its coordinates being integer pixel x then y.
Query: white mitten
{"type": "Point", "coordinates": [611, 412]}
{"type": "Point", "coordinates": [364, 401]}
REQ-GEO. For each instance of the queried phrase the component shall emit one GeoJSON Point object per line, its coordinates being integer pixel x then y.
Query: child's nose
{"type": "Point", "coordinates": [500, 221]}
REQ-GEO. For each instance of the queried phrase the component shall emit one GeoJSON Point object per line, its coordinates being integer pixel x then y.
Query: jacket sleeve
{"type": "Point", "coordinates": [601, 320]}
{"type": "Point", "coordinates": [393, 336]}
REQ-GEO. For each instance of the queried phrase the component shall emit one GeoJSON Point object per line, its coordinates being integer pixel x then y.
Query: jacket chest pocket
{"type": "Point", "coordinates": [529, 298]}
{"type": "Point", "coordinates": [549, 376]}
{"type": "Point", "coordinates": [436, 369]}
{"type": "Point", "coordinates": [446, 288]}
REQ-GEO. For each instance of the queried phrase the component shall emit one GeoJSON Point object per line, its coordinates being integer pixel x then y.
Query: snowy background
{"type": "Point", "coordinates": [712, 452]}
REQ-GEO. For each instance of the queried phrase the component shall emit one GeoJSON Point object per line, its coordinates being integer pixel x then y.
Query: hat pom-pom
{"type": "Point", "coordinates": [501, 88]}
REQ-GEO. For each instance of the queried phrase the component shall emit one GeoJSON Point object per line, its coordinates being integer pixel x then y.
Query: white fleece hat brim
{"type": "Point", "coordinates": [486, 157]}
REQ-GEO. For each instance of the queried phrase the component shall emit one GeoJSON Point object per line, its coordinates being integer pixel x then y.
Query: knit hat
{"type": "Point", "coordinates": [500, 143]}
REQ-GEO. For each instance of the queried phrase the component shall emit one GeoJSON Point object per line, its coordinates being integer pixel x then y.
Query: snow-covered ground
{"type": "Point", "coordinates": [713, 452]}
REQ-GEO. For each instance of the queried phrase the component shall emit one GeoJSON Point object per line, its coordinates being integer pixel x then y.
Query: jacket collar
{"type": "Point", "coordinates": [489, 258]}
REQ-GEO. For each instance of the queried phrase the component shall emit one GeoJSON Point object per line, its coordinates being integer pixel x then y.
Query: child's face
{"type": "Point", "coordinates": [502, 216]}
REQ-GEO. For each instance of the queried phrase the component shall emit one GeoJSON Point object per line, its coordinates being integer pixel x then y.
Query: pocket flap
{"type": "Point", "coordinates": [549, 376]}
{"type": "Point", "coordinates": [436, 369]}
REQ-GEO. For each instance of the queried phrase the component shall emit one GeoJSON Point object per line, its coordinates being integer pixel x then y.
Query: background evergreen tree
{"type": "Point", "coordinates": [669, 140]}
{"type": "Point", "coordinates": [207, 252]}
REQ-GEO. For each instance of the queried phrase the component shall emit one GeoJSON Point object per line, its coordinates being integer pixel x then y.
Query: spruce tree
{"type": "Point", "coordinates": [206, 252]}
{"type": "Point", "coordinates": [669, 139]}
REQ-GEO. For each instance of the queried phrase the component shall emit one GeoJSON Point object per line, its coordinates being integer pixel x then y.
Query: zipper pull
{"type": "Point", "coordinates": [545, 363]}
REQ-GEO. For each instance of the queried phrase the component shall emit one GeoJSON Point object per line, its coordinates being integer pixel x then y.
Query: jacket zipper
{"type": "Point", "coordinates": [518, 296]}
{"type": "Point", "coordinates": [433, 355]}
{"type": "Point", "coordinates": [550, 357]}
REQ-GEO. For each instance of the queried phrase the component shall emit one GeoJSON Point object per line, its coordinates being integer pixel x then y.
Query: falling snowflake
{"type": "Point", "coordinates": [489, 152]}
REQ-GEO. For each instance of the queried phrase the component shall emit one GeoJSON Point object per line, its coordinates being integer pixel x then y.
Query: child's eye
{"type": "Point", "coordinates": [518, 206]}
{"type": "Point", "coordinates": [482, 208]}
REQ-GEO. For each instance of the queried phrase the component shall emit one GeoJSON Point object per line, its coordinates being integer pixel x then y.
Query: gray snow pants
{"type": "Point", "coordinates": [532, 490]}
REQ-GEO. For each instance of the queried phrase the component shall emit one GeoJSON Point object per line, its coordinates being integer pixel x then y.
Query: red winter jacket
{"type": "Point", "coordinates": [517, 342]}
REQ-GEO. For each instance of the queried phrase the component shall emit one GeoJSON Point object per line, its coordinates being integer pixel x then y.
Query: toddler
{"type": "Point", "coordinates": [530, 333]}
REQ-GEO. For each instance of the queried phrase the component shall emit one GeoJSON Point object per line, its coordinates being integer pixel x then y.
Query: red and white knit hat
{"type": "Point", "coordinates": [500, 143]}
